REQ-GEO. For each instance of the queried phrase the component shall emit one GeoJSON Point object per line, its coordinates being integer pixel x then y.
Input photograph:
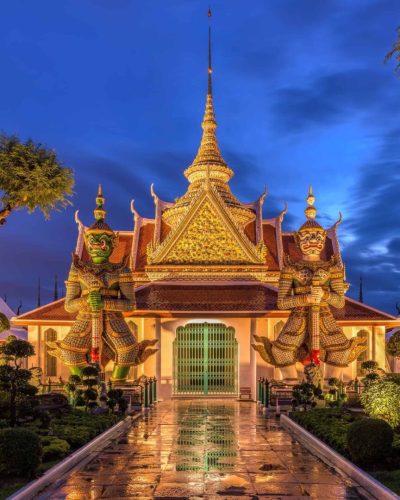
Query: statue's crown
{"type": "Point", "coordinates": [311, 212]}
{"type": "Point", "coordinates": [99, 226]}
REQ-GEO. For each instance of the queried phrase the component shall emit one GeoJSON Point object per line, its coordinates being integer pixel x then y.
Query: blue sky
{"type": "Point", "coordinates": [117, 87]}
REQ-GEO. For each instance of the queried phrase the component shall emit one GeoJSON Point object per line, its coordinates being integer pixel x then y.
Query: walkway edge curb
{"type": "Point", "coordinates": [57, 471]}
{"type": "Point", "coordinates": [337, 461]}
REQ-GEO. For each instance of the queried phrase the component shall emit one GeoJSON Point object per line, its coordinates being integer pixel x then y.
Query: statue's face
{"type": "Point", "coordinates": [99, 246]}
{"type": "Point", "coordinates": [311, 241]}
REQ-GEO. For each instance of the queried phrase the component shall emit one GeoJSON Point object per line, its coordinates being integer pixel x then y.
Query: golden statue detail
{"type": "Point", "coordinates": [309, 288]}
{"type": "Point", "coordinates": [100, 291]}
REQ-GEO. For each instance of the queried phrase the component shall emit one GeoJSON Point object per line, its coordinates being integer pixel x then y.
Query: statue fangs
{"type": "Point", "coordinates": [100, 291]}
{"type": "Point", "coordinates": [309, 287]}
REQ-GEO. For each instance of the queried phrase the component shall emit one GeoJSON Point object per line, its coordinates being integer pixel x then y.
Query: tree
{"type": "Point", "coordinates": [381, 400]}
{"type": "Point", "coordinates": [395, 51]}
{"type": "Point", "coordinates": [14, 380]}
{"type": "Point", "coordinates": [31, 177]}
{"type": "Point", "coordinates": [393, 345]}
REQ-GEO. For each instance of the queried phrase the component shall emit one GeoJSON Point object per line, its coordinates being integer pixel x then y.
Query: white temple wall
{"type": "Point", "coordinates": [250, 365]}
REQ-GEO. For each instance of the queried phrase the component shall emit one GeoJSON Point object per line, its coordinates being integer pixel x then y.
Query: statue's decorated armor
{"type": "Point", "coordinates": [309, 288]}
{"type": "Point", "coordinates": [100, 291]}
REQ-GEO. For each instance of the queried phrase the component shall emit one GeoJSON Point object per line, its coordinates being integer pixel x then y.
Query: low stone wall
{"type": "Point", "coordinates": [337, 461]}
{"type": "Point", "coordinates": [81, 456]}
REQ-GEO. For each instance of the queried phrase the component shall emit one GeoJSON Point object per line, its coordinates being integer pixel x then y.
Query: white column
{"type": "Point", "coordinates": [157, 328]}
{"type": "Point", "coordinates": [253, 360]}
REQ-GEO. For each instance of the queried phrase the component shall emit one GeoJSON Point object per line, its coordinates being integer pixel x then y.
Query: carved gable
{"type": "Point", "coordinates": [207, 235]}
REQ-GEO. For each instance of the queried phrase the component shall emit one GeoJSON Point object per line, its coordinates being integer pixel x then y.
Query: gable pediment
{"type": "Point", "coordinates": [207, 234]}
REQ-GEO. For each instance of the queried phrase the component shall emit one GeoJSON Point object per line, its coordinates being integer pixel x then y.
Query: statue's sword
{"type": "Point", "coordinates": [314, 328]}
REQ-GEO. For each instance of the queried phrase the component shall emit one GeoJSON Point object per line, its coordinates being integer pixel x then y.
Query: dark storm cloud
{"type": "Point", "coordinates": [374, 223]}
{"type": "Point", "coordinates": [331, 98]}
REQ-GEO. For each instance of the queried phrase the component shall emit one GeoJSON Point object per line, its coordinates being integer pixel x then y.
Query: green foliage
{"type": "Point", "coordinates": [4, 323]}
{"type": "Point", "coordinates": [330, 425]}
{"type": "Point", "coordinates": [393, 345]}
{"type": "Point", "coordinates": [54, 448]}
{"type": "Point", "coordinates": [20, 452]}
{"type": "Point", "coordinates": [369, 366]}
{"type": "Point", "coordinates": [369, 441]}
{"type": "Point", "coordinates": [333, 382]}
{"type": "Point", "coordinates": [15, 390]}
{"type": "Point", "coordinates": [90, 371]}
{"type": "Point", "coordinates": [381, 400]}
{"type": "Point", "coordinates": [393, 377]}
{"type": "Point", "coordinates": [79, 427]}
{"type": "Point", "coordinates": [15, 350]}
{"type": "Point", "coordinates": [31, 176]}
{"type": "Point", "coordinates": [305, 393]}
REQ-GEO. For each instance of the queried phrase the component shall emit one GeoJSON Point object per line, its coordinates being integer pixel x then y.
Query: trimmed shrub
{"type": "Point", "coordinates": [381, 400]}
{"type": "Point", "coordinates": [20, 452]}
{"type": "Point", "coordinates": [369, 440]}
{"type": "Point", "coordinates": [54, 448]}
{"type": "Point", "coordinates": [329, 425]}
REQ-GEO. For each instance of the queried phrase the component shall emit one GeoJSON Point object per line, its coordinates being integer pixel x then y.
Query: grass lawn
{"type": "Point", "coordinates": [330, 425]}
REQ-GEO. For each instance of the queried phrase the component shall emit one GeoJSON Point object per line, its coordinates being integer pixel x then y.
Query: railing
{"type": "Point", "coordinates": [273, 393]}
{"type": "Point", "coordinates": [143, 394]}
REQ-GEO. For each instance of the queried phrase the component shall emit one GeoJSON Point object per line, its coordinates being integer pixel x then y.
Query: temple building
{"type": "Point", "coordinates": [206, 270]}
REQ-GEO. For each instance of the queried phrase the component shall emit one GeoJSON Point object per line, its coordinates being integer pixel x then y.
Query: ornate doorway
{"type": "Point", "coordinates": [205, 360]}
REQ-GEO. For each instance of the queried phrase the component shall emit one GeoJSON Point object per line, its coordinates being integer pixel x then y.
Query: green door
{"type": "Point", "coordinates": [205, 360]}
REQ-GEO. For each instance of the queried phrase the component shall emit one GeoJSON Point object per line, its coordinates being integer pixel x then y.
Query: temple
{"type": "Point", "coordinates": [206, 270]}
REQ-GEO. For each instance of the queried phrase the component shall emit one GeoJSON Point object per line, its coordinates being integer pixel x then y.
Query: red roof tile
{"type": "Point", "coordinates": [146, 234]}
{"type": "Point", "coordinates": [269, 236]}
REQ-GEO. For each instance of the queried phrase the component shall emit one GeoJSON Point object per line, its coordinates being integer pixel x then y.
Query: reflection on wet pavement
{"type": "Point", "coordinates": [205, 449]}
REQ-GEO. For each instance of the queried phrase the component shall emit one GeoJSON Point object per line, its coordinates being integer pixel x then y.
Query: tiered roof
{"type": "Point", "coordinates": [163, 299]}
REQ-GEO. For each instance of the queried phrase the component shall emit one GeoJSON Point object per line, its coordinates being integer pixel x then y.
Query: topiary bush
{"type": "Point", "coordinates": [54, 448]}
{"type": "Point", "coordinates": [382, 400]}
{"type": "Point", "coordinates": [369, 441]}
{"type": "Point", "coordinates": [20, 453]}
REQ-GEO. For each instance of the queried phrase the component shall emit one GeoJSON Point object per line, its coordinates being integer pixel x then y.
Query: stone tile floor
{"type": "Point", "coordinates": [196, 449]}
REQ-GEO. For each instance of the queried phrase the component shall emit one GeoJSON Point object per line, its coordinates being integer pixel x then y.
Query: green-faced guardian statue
{"type": "Point", "coordinates": [100, 291]}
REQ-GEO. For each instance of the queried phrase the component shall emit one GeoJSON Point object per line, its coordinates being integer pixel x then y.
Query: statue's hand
{"type": "Point", "coordinates": [317, 293]}
{"type": "Point", "coordinates": [95, 301]}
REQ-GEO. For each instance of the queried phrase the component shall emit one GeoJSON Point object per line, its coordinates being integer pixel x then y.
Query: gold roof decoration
{"type": "Point", "coordinates": [209, 167]}
{"type": "Point", "coordinates": [311, 213]}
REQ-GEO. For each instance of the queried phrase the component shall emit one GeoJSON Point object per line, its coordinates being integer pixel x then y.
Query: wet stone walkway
{"type": "Point", "coordinates": [208, 450]}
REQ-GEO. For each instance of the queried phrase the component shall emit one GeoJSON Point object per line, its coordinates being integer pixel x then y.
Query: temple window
{"type": "Point", "coordinates": [362, 334]}
{"type": "Point", "coordinates": [50, 335]}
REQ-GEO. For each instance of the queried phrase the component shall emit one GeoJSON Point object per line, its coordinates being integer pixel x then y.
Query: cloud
{"type": "Point", "coordinates": [335, 97]}
{"type": "Point", "coordinates": [373, 224]}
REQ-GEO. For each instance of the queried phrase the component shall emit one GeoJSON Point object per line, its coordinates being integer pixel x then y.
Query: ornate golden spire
{"type": "Point", "coordinates": [209, 155]}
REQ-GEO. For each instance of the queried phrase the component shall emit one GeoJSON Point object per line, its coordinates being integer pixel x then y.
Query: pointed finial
{"type": "Point", "coordinates": [209, 53]}
{"type": "Point", "coordinates": [39, 301]}
{"type": "Point", "coordinates": [310, 211]}
{"type": "Point", "coordinates": [99, 212]}
{"type": "Point", "coordinates": [55, 287]}
{"type": "Point", "coordinates": [361, 292]}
